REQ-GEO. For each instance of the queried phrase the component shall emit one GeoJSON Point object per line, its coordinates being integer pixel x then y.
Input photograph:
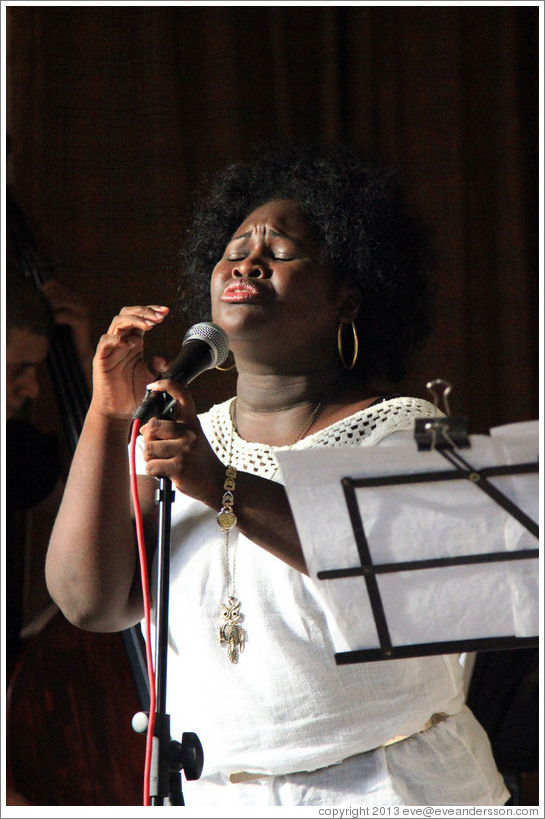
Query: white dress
{"type": "Point", "coordinates": [286, 715]}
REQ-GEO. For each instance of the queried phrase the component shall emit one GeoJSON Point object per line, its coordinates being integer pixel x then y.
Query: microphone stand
{"type": "Point", "coordinates": [169, 757]}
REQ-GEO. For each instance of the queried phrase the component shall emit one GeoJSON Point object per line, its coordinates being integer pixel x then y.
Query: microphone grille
{"type": "Point", "coordinates": [215, 337]}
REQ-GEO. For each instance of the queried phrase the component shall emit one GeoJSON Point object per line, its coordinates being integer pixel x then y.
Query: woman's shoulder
{"type": "Point", "coordinates": [370, 425]}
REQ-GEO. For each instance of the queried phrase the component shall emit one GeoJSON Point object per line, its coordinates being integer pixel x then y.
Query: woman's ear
{"type": "Point", "coordinates": [351, 305]}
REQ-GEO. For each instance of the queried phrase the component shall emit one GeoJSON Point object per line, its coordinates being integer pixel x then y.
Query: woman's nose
{"type": "Point", "coordinates": [252, 267]}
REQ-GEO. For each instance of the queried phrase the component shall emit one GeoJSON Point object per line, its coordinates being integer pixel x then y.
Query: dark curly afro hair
{"type": "Point", "coordinates": [360, 216]}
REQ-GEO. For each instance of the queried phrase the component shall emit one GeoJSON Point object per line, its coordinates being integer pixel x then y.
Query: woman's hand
{"type": "Point", "coordinates": [120, 374]}
{"type": "Point", "coordinates": [179, 450]}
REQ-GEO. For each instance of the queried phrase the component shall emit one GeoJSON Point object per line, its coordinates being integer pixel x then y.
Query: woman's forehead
{"type": "Point", "coordinates": [283, 216]}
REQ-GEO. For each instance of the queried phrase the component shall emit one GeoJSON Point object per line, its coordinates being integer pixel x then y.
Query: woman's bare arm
{"type": "Point", "coordinates": [92, 568]}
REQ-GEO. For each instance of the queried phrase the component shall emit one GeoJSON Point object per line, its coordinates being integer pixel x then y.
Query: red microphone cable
{"type": "Point", "coordinates": [135, 428]}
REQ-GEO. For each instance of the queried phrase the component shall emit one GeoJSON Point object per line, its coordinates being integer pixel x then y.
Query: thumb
{"type": "Point", "coordinates": [186, 410]}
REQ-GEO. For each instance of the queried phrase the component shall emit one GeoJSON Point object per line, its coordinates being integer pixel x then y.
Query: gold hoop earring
{"type": "Point", "coordinates": [340, 345]}
{"type": "Point", "coordinates": [227, 369]}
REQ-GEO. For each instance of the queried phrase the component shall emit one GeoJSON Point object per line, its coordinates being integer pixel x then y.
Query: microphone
{"type": "Point", "coordinates": [205, 346]}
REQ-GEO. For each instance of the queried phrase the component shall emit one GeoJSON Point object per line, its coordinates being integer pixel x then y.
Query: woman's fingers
{"type": "Point", "coordinates": [119, 370]}
{"type": "Point", "coordinates": [167, 443]}
{"type": "Point", "coordinates": [179, 450]}
{"type": "Point", "coordinates": [119, 347]}
{"type": "Point", "coordinates": [137, 318]}
{"type": "Point", "coordinates": [186, 409]}
{"type": "Point", "coordinates": [123, 341]}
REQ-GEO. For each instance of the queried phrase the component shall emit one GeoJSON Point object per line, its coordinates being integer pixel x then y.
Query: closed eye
{"type": "Point", "coordinates": [281, 257]}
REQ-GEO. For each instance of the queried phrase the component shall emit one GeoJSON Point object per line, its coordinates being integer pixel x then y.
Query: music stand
{"type": "Point", "coordinates": [382, 617]}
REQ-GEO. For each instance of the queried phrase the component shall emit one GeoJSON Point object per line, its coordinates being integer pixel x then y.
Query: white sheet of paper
{"type": "Point", "coordinates": [417, 521]}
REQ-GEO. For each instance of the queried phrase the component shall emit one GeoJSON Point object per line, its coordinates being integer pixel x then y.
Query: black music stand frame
{"type": "Point", "coordinates": [444, 435]}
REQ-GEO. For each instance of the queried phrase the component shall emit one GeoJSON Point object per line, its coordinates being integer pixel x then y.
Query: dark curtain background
{"type": "Point", "coordinates": [115, 113]}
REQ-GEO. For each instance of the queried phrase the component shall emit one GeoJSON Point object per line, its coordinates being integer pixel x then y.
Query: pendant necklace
{"type": "Point", "coordinates": [231, 632]}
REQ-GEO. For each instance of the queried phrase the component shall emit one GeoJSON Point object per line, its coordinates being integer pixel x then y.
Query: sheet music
{"type": "Point", "coordinates": [417, 521]}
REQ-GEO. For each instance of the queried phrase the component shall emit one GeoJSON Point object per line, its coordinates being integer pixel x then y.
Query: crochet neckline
{"type": "Point", "coordinates": [363, 427]}
{"type": "Point", "coordinates": [307, 439]}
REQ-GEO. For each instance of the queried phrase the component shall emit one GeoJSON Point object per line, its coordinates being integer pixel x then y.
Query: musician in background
{"type": "Point", "coordinates": [33, 461]}
{"type": "Point", "coordinates": [34, 473]}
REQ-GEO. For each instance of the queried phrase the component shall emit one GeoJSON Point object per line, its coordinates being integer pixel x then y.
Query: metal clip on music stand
{"type": "Point", "coordinates": [446, 435]}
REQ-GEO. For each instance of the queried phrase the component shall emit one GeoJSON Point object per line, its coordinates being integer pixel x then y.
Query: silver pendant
{"type": "Point", "coordinates": [231, 632]}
